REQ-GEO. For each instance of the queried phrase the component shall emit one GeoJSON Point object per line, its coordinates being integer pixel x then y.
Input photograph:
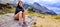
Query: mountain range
{"type": "Point", "coordinates": [39, 9]}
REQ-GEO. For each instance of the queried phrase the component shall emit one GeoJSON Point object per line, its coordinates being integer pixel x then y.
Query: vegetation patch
{"type": "Point", "coordinates": [57, 17]}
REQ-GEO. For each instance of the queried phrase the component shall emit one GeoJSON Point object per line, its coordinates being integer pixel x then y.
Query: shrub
{"type": "Point", "coordinates": [31, 10]}
{"type": "Point", "coordinates": [57, 17]}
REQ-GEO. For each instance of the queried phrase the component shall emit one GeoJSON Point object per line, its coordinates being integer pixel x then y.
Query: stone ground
{"type": "Point", "coordinates": [8, 21]}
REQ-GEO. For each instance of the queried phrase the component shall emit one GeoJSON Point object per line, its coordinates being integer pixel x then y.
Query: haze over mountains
{"type": "Point", "coordinates": [8, 1]}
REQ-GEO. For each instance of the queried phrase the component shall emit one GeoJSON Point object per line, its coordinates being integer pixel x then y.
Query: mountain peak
{"type": "Point", "coordinates": [37, 3]}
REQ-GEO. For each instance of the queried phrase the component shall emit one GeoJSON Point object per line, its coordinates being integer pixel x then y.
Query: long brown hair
{"type": "Point", "coordinates": [19, 2]}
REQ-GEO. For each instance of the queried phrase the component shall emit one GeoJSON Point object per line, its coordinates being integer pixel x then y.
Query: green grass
{"type": "Point", "coordinates": [12, 10]}
{"type": "Point", "coordinates": [9, 10]}
{"type": "Point", "coordinates": [31, 13]}
{"type": "Point", "coordinates": [34, 14]}
{"type": "Point", "coordinates": [42, 15]}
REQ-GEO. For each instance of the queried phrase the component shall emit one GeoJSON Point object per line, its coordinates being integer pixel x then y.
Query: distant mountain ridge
{"type": "Point", "coordinates": [40, 9]}
{"type": "Point", "coordinates": [45, 10]}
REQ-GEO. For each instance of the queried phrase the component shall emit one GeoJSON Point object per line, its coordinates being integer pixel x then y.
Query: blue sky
{"type": "Point", "coordinates": [50, 4]}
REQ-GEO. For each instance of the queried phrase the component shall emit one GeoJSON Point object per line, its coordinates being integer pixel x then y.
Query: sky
{"type": "Point", "coordinates": [50, 4]}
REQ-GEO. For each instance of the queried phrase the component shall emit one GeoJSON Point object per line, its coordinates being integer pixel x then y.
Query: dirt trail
{"type": "Point", "coordinates": [8, 21]}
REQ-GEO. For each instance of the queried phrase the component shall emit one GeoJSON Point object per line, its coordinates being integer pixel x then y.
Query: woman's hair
{"type": "Point", "coordinates": [19, 2]}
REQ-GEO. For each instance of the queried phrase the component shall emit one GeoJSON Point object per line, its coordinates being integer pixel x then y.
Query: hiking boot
{"type": "Point", "coordinates": [25, 24]}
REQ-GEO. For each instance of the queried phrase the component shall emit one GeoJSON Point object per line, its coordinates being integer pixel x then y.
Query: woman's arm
{"type": "Point", "coordinates": [25, 10]}
{"type": "Point", "coordinates": [16, 11]}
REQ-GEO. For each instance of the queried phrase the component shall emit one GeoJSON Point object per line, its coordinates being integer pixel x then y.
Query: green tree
{"type": "Point", "coordinates": [31, 10]}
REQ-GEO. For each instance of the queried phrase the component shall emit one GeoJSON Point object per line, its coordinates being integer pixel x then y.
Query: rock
{"type": "Point", "coordinates": [8, 21]}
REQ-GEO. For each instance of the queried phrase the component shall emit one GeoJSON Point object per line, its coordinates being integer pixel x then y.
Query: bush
{"type": "Point", "coordinates": [57, 17]}
{"type": "Point", "coordinates": [31, 10]}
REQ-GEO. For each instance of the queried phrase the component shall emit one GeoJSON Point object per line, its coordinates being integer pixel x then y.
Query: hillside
{"type": "Point", "coordinates": [39, 9]}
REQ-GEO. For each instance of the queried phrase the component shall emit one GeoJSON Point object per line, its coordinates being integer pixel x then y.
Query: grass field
{"type": "Point", "coordinates": [46, 20]}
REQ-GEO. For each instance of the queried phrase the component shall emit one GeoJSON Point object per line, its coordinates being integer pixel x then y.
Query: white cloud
{"type": "Point", "coordinates": [55, 9]}
{"type": "Point", "coordinates": [6, 1]}
{"type": "Point", "coordinates": [11, 0]}
{"type": "Point", "coordinates": [30, 1]}
{"type": "Point", "coordinates": [50, 1]}
{"type": "Point", "coordinates": [36, 0]}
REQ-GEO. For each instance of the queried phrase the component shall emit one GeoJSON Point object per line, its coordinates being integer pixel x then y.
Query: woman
{"type": "Point", "coordinates": [20, 12]}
